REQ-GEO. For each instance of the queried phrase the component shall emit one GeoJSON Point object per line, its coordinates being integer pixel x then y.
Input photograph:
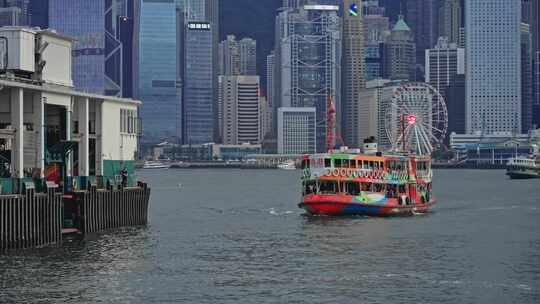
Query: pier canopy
{"type": "Point", "coordinates": [50, 131]}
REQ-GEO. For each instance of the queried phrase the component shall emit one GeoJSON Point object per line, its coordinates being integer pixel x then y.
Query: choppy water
{"type": "Point", "coordinates": [236, 236]}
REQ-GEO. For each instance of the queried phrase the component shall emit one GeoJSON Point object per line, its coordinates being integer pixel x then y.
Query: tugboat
{"type": "Point", "coordinates": [368, 182]}
{"type": "Point", "coordinates": [524, 167]}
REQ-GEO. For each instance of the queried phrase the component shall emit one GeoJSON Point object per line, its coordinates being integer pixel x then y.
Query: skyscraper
{"type": "Point", "coordinates": [97, 53]}
{"type": "Point", "coordinates": [399, 53]}
{"type": "Point", "coordinates": [376, 29]}
{"type": "Point", "coordinates": [158, 83]}
{"type": "Point", "coordinates": [239, 97]}
{"type": "Point", "coordinates": [422, 17]}
{"type": "Point", "coordinates": [229, 56]}
{"type": "Point", "coordinates": [450, 20]}
{"type": "Point", "coordinates": [270, 79]}
{"type": "Point", "coordinates": [352, 75]}
{"type": "Point", "coordinates": [198, 107]}
{"type": "Point", "coordinates": [248, 56]}
{"type": "Point", "coordinates": [237, 57]}
{"type": "Point", "coordinates": [14, 13]}
{"type": "Point", "coordinates": [11, 16]}
{"type": "Point", "coordinates": [526, 78]}
{"type": "Point", "coordinates": [493, 70]}
{"type": "Point", "coordinates": [443, 62]}
{"type": "Point", "coordinates": [309, 61]}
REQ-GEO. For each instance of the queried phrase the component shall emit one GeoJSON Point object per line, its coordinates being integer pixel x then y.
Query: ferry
{"type": "Point", "coordinates": [347, 182]}
{"type": "Point", "coordinates": [289, 165]}
{"type": "Point", "coordinates": [525, 167]}
{"type": "Point", "coordinates": [155, 165]}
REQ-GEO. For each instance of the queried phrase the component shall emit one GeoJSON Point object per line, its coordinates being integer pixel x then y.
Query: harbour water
{"type": "Point", "coordinates": [236, 236]}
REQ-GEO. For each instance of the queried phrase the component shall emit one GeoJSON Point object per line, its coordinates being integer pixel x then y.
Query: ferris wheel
{"type": "Point", "coordinates": [416, 120]}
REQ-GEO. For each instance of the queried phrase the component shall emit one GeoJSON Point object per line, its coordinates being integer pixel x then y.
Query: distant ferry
{"type": "Point", "coordinates": [348, 182]}
{"type": "Point", "coordinates": [155, 165]}
{"type": "Point", "coordinates": [290, 165]}
{"type": "Point", "coordinates": [523, 167]}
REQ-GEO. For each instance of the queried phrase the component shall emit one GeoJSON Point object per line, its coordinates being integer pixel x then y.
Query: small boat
{"type": "Point", "coordinates": [372, 184]}
{"type": "Point", "coordinates": [289, 165]}
{"type": "Point", "coordinates": [155, 165]}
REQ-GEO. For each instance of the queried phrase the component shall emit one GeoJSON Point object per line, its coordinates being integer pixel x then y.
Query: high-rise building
{"type": "Point", "coordinates": [237, 57]}
{"type": "Point", "coordinates": [198, 83]}
{"type": "Point", "coordinates": [248, 56]}
{"type": "Point", "coordinates": [308, 52]}
{"type": "Point", "coordinates": [450, 20]}
{"type": "Point", "coordinates": [239, 97]}
{"type": "Point", "coordinates": [531, 15]}
{"type": "Point", "coordinates": [158, 85]}
{"type": "Point", "coordinates": [526, 78]}
{"type": "Point", "coordinates": [352, 78]}
{"type": "Point", "coordinates": [422, 17]}
{"type": "Point", "coordinates": [14, 13]}
{"type": "Point", "coordinates": [265, 115]}
{"type": "Point", "coordinates": [455, 103]}
{"type": "Point", "coordinates": [11, 16]}
{"type": "Point", "coordinates": [376, 29]}
{"type": "Point", "coordinates": [229, 56]}
{"type": "Point", "coordinates": [99, 27]}
{"type": "Point", "coordinates": [443, 62]}
{"type": "Point", "coordinates": [39, 13]}
{"type": "Point", "coordinates": [206, 11]}
{"type": "Point", "coordinates": [270, 80]}
{"type": "Point", "coordinates": [493, 70]}
{"type": "Point", "coordinates": [376, 98]}
{"type": "Point", "coordinates": [297, 128]}
{"type": "Point", "coordinates": [399, 53]}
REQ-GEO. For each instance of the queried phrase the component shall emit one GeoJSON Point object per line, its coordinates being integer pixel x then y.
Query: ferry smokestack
{"type": "Point", "coordinates": [370, 146]}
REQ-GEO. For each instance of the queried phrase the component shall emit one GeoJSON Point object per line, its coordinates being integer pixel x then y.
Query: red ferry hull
{"type": "Point", "coordinates": [339, 205]}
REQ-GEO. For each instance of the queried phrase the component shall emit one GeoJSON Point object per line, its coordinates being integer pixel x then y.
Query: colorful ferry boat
{"type": "Point", "coordinates": [348, 182]}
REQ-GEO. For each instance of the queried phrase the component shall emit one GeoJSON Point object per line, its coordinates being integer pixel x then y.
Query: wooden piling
{"type": "Point", "coordinates": [30, 220]}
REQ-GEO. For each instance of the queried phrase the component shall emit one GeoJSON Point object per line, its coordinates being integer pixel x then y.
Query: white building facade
{"type": "Point", "coordinates": [297, 130]}
{"type": "Point", "coordinates": [444, 62]}
{"type": "Point", "coordinates": [493, 71]}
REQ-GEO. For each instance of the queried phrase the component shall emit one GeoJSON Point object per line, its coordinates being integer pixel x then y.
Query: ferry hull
{"type": "Point", "coordinates": [340, 206]}
{"type": "Point", "coordinates": [522, 174]}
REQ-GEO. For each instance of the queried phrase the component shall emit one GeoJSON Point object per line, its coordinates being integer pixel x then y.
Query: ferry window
{"type": "Point", "coordinates": [353, 188]}
{"type": "Point", "coordinates": [305, 164]}
{"type": "Point", "coordinates": [391, 191]}
{"type": "Point", "coordinates": [381, 165]}
{"type": "Point", "coordinates": [327, 163]}
{"type": "Point", "coordinates": [371, 165]}
{"type": "Point", "coordinates": [310, 187]}
{"type": "Point", "coordinates": [352, 162]}
{"type": "Point", "coordinates": [366, 186]}
{"type": "Point", "coordinates": [328, 187]}
{"type": "Point", "coordinates": [402, 189]}
{"type": "Point", "coordinates": [378, 187]}
{"type": "Point", "coordinates": [338, 163]}
{"type": "Point", "coordinates": [399, 165]}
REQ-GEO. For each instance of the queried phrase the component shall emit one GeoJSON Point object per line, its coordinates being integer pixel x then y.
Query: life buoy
{"type": "Point", "coordinates": [343, 172]}
{"type": "Point", "coordinates": [349, 172]}
{"type": "Point", "coordinates": [335, 172]}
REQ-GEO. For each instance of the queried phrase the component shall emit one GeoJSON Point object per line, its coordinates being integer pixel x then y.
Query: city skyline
{"type": "Point", "coordinates": [125, 53]}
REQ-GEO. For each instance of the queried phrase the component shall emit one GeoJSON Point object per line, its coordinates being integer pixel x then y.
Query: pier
{"type": "Point", "coordinates": [67, 158]}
